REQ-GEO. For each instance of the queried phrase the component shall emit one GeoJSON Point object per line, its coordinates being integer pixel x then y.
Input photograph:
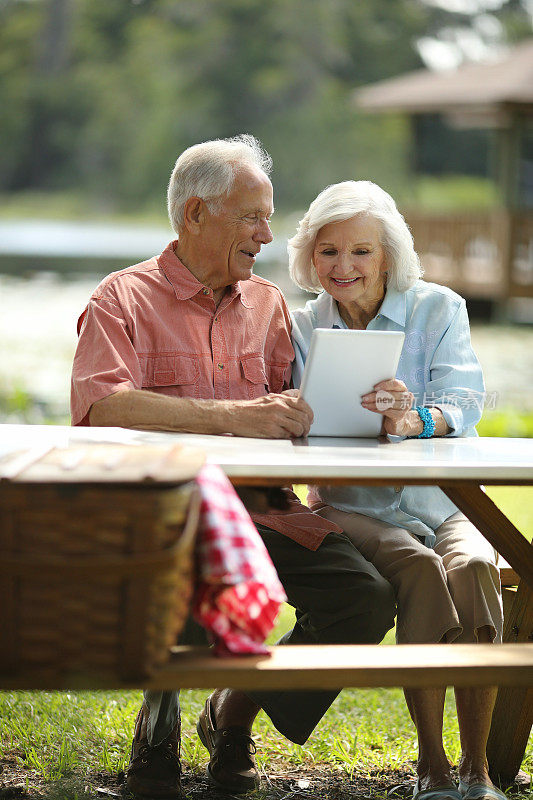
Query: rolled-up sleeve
{"type": "Point", "coordinates": [456, 383]}
{"type": "Point", "coordinates": [105, 361]}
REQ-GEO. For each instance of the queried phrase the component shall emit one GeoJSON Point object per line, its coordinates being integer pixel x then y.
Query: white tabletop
{"type": "Point", "coordinates": [318, 459]}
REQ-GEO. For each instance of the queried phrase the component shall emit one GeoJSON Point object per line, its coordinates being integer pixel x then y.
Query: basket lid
{"type": "Point", "coordinates": [104, 463]}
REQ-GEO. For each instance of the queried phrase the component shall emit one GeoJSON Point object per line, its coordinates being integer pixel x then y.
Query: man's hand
{"type": "Point", "coordinates": [275, 416]}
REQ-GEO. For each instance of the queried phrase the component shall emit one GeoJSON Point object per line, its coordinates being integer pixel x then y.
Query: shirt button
{"type": "Point", "coordinates": [216, 319]}
{"type": "Point", "coordinates": [205, 290]}
{"type": "Point", "coordinates": [220, 366]}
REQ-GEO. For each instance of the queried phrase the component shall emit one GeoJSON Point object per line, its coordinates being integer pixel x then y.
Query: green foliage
{"type": "Point", "coordinates": [72, 204]}
{"type": "Point", "coordinates": [507, 423]}
{"type": "Point", "coordinates": [17, 405]}
{"type": "Point", "coordinates": [450, 193]}
{"type": "Point", "coordinates": [18, 400]}
{"type": "Point", "coordinates": [101, 95]}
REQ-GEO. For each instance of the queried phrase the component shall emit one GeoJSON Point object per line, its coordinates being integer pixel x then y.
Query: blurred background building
{"type": "Point", "coordinates": [484, 255]}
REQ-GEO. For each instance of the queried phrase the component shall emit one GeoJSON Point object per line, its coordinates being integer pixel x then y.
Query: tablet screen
{"type": "Point", "coordinates": [341, 366]}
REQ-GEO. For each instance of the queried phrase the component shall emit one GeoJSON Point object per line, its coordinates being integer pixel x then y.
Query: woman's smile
{"type": "Point", "coordinates": [345, 281]}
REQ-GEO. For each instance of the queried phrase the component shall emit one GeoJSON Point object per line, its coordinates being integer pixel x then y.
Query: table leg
{"type": "Point", "coordinates": [495, 527]}
{"type": "Point", "coordinates": [513, 713]}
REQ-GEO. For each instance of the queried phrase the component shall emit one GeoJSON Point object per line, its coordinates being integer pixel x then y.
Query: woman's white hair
{"type": "Point", "coordinates": [342, 201]}
{"type": "Point", "coordinates": [207, 170]}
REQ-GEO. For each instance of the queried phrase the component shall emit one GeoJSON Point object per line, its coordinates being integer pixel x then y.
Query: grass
{"type": "Point", "coordinates": [511, 423]}
{"type": "Point", "coordinates": [56, 735]}
{"type": "Point", "coordinates": [74, 206]}
{"type": "Point", "coordinates": [451, 193]}
{"type": "Point", "coordinates": [516, 502]}
{"type": "Point", "coordinates": [440, 193]}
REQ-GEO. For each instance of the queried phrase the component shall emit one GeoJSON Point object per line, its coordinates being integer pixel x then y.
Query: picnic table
{"type": "Point", "coordinates": [461, 467]}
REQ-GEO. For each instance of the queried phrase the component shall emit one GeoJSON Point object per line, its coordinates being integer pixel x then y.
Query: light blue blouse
{"type": "Point", "coordinates": [437, 364]}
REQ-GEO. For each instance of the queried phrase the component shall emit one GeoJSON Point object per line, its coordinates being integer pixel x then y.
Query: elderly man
{"type": "Point", "coordinates": [192, 340]}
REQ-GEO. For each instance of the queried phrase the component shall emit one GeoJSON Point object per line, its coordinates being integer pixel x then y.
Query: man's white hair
{"type": "Point", "coordinates": [208, 170]}
{"type": "Point", "coordinates": [342, 201]}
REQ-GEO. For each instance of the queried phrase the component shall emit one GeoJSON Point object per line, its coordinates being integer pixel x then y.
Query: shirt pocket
{"type": "Point", "coordinates": [253, 369]}
{"type": "Point", "coordinates": [175, 375]}
{"type": "Point", "coordinates": [276, 374]}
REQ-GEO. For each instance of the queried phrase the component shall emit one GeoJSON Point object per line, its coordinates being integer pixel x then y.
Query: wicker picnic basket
{"type": "Point", "coordinates": [96, 564]}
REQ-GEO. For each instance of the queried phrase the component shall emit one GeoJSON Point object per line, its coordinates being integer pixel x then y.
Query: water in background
{"type": "Point", "coordinates": [39, 308]}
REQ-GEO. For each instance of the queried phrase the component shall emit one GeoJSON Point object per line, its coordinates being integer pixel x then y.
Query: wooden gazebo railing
{"type": "Point", "coordinates": [485, 255]}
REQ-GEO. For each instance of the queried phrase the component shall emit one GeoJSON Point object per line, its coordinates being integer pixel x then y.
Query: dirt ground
{"type": "Point", "coordinates": [318, 783]}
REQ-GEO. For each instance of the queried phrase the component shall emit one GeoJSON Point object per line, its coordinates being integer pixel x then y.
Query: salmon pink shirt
{"type": "Point", "coordinates": [154, 326]}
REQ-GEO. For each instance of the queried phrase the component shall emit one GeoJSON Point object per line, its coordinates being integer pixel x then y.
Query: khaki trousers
{"type": "Point", "coordinates": [446, 593]}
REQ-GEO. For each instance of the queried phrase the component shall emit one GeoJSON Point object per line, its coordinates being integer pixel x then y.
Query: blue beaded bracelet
{"type": "Point", "coordinates": [427, 419]}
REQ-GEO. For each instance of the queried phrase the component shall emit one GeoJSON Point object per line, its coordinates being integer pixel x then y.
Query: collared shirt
{"type": "Point", "coordinates": [437, 364]}
{"type": "Point", "coordinates": [154, 326]}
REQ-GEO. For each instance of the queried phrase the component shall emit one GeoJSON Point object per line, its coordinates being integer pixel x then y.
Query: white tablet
{"type": "Point", "coordinates": [341, 366]}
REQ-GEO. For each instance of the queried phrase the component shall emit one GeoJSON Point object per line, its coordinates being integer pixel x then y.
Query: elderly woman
{"type": "Point", "coordinates": [355, 248]}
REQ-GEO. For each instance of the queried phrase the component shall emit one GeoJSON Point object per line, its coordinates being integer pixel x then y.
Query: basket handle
{"type": "Point", "coordinates": [126, 565]}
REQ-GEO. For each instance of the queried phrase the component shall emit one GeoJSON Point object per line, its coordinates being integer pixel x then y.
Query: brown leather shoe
{"type": "Point", "coordinates": [232, 763]}
{"type": "Point", "coordinates": [154, 771]}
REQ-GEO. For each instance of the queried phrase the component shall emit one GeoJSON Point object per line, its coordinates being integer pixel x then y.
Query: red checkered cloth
{"type": "Point", "coordinates": [238, 592]}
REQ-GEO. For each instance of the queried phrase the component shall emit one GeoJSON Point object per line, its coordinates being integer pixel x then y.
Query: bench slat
{"type": "Point", "coordinates": [323, 667]}
{"type": "Point", "coordinates": [509, 577]}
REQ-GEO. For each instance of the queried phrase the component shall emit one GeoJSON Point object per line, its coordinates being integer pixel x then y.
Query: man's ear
{"type": "Point", "coordinates": [194, 214]}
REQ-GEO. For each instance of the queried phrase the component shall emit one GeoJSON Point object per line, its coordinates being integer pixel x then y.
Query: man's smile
{"type": "Point", "coordinates": [249, 253]}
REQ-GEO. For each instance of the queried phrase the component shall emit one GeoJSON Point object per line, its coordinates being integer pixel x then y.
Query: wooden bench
{"type": "Point", "coordinates": [508, 576]}
{"type": "Point", "coordinates": [320, 667]}
{"type": "Point", "coordinates": [512, 718]}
